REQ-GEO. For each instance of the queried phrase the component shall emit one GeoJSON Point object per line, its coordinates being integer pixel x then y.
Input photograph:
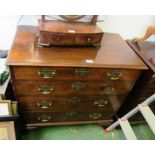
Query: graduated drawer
{"type": "Point", "coordinates": [81, 103]}
{"type": "Point", "coordinates": [47, 117]}
{"type": "Point", "coordinates": [72, 88]}
{"type": "Point", "coordinates": [70, 73]}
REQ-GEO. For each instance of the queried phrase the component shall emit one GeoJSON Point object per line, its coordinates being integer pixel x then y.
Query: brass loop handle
{"type": "Point", "coordinates": [82, 71]}
{"type": "Point", "coordinates": [107, 90]}
{"type": "Point", "coordinates": [74, 100]}
{"type": "Point", "coordinates": [95, 115]}
{"type": "Point", "coordinates": [45, 89]}
{"type": "Point", "coordinates": [44, 118]}
{"type": "Point", "coordinates": [114, 74]}
{"type": "Point", "coordinates": [71, 114]}
{"type": "Point", "coordinates": [78, 86]}
{"type": "Point", "coordinates": [44, 104]}
{"type": "Point", "coordinates": [47, 73]}
{"type": "Point", "coordinates": [101, 103]}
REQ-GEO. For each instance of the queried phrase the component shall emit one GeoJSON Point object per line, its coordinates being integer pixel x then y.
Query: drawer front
{"type": "Point", "coordinates": [72, 88]}
{"type": "Point", "coordinates": [81, 103]}
{"type": "Point", "coordinates": [56, 39]}
{"type": "Point", "coordinates": [88, 39]}
{"type": "Point", "coordinates": [58, 73]}
{"type": "Point", "coordinates": [47, 117]}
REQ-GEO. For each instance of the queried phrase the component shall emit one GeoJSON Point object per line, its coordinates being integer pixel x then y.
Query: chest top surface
{"type": "Point", "coordinates": [113, 53]}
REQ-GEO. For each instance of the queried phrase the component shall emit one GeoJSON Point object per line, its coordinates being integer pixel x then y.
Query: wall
{"type": "Point", "coordinates": [127, 26]}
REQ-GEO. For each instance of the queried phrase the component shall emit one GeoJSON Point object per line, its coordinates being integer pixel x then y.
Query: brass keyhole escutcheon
{"type": "Point", "coordinates": [71, 114]}
{"type": "Point", "coordinates": [82, 71]}
{"type": "Point", "coordinates": [78, 86]}
{"type": "Point", "coordinates": [74, 100]}
{"type": "Point", "coordinates": [114, 74]}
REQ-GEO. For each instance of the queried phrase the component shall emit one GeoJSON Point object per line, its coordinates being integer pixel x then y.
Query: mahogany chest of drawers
{"type": "Point", "coordinates": [71, 85]}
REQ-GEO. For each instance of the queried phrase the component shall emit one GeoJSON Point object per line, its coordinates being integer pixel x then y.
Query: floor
{"type": "Point", "coordinates": [86, 132]}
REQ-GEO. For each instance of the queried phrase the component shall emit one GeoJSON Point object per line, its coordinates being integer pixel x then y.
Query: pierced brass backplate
{"type": "Point", "coordinates": [107, 90]}
{"type": "Point", "coordinates": [114, 74]}
{"type": "Point", "coordinates": [47, 73]}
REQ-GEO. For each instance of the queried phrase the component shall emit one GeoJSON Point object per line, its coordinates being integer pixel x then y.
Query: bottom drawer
{"type": "Point", "coordinates": [47, 117]}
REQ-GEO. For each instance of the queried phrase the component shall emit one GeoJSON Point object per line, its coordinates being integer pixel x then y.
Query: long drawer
{"type": "Point", "coordinates": [53, 104]}
{"type": "Point", "coordinates": [72, 88]}
{"type": "Point", "coordinates": [47, 117]}
{"type": "Point", "coordinates": [62, 73]}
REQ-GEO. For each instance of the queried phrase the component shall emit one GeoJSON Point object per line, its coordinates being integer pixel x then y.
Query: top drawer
{"type": "Point", "coordinates": [56, 39]}
{"type": "Point", "coordinates": [70, 73]}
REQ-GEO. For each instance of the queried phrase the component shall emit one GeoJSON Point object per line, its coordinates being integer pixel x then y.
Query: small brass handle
{"type": "Point", "coordinates": [47, 73]}
{"type": "Point", "coordinates": [82, 71]}
{"type": "Point", "coordinates": [95, 115]}
{"type": "Point", "coordinates": [44, 118]}
{"type": "Point", "coordinates": [44, 104]}
{"type": "Point", "coordinates": [71, 114]}
{"type": "Point", "coordinates": [78, 86]}
{"type": "Point", "coordinates": [74, 100]}
{"type": "Point", "coordinates": [107, 90]}
{"type": "Point", "coordinates": [45, 89]}
{"type": "Point", "coordinates": [114, 74]}
{"type": "Point", "coordinates": [101, 103]}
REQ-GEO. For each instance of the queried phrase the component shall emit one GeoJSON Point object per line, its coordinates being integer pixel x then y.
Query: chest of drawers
{"type": "Point", "coordinates": [71, 85]}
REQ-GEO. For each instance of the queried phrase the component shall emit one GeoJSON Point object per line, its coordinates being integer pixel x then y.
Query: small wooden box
{"type": "Point", "coordinates": [68, 33]}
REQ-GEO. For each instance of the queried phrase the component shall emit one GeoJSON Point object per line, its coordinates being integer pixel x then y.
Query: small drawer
{"type": "Point", "coordinates": [56, 39]}
{"type": "Point", "coordinates": [74, 88]}
{"type": "Point", "coordinates": [88, 39]}
{"type": "Point", "coordinates": [53, 104]}
{"type": "Point", "coordinates": [76, 73]}
{"type": "Point", "coordinates": [49, 117]}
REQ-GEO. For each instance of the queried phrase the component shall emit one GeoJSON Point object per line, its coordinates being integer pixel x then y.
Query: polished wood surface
{"type": "Point", "coordinates": [114, 53]}
{"type": "Point", "coordinates": [76, 73]}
